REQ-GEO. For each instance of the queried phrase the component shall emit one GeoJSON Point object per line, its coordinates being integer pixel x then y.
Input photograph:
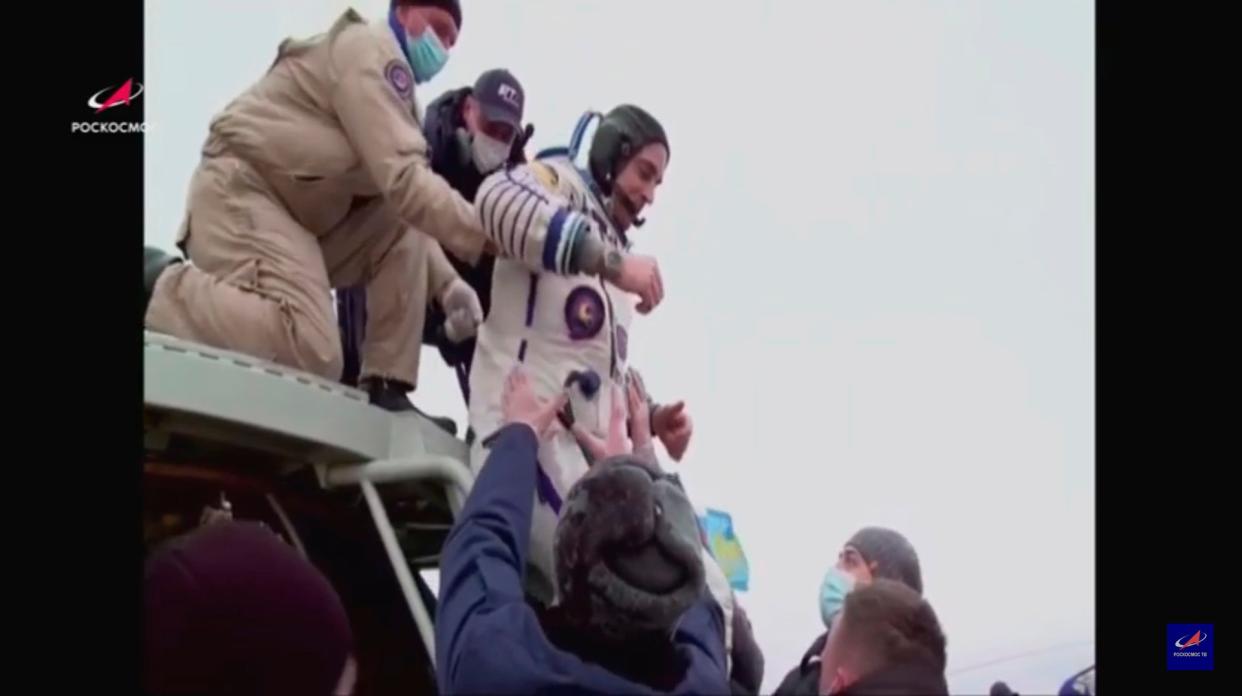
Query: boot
{"type": "Point", "coordinates": [390, 395]}
{"type": "Point", "coordinates": [154, 262]}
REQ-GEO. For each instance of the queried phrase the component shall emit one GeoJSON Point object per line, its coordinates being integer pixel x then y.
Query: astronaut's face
{"type": "Point", "coordinates": [635, 186]}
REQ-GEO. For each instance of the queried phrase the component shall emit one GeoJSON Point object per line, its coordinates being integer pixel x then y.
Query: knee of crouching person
{"type": "Point", "coordinates": [315, 349]}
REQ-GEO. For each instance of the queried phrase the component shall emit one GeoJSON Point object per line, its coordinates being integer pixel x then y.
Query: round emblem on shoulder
{"type": "Point", "coordinates": [399, 76]}
{"type": "Point", "coordinates": [584, 313]}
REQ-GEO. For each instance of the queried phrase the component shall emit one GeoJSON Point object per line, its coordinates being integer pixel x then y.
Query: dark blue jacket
{"type": "Point", "coordinates": [489, 640]}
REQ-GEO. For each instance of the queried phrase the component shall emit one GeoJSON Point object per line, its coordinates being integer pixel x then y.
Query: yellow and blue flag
{"type": "Point", "coordinates": [725, 548]}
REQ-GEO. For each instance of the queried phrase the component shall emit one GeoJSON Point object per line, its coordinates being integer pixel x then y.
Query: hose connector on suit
{"type": "Point", "coordinates": [588, 383]}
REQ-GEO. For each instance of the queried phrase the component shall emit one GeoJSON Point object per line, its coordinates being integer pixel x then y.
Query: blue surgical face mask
{"type": "Point", "coordinates": [832, 591]}
{"type": "Point", "coordinates": [427, 55]}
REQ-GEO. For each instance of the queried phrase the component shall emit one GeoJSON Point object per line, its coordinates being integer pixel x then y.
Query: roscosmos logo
{"type": "Point", "coordinates": [121, 97]}
{"type": "Point", "coordinates": [1190, 641]}
{"type": "Point", "coordinates": [107, 99]}
{"type": "Point", "coordinates": [1190, 647]}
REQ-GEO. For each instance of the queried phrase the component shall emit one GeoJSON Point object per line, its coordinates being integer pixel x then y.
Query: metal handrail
{"type": "Point", "coordinates": [395, 470]}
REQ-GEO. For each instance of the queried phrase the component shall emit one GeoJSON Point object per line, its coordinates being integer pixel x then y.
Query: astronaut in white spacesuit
{"type": "Point", "coordinates": [564, 290]}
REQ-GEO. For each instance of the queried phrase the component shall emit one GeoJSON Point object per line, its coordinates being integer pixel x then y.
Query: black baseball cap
{"type": "Point", "coordinates": [500, 97]}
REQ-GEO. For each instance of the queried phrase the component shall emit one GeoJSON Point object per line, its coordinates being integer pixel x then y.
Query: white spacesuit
{"type": "Point", "coordinates": [560, 324]}
{"type": "Point", "coordinates": [554, 322]}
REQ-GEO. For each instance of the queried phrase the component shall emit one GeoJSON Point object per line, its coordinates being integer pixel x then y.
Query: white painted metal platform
{"type": "Point", "coordinates": [327, 422]}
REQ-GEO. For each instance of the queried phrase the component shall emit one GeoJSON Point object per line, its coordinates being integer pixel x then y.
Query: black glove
{"type": "Point", "coordinates": [518, 154]}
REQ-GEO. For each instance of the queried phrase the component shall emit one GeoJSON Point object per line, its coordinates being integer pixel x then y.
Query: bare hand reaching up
{"type": "Point", "coordinates": [616, 442]}
{"type": "Point", "coordinates": [640, 411]}
{"type": "Point", "coordinates": [519, 404]}
{"type": "Point", "coordinates": [674, 427]}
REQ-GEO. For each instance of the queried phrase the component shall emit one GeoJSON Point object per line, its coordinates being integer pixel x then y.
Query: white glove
{"type": "Point", "coordinates": [462, 310]}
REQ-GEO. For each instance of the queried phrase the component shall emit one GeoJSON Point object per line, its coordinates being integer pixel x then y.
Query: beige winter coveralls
{"type": "Point", "coordinates": [317, 177]}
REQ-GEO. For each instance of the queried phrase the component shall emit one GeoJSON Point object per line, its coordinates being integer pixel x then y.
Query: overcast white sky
{"type": "Point", "coordinates": [877, 239]}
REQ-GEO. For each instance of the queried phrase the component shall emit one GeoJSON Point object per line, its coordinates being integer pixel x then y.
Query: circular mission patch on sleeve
{"type": "Point", "coordinates": [399, 76]}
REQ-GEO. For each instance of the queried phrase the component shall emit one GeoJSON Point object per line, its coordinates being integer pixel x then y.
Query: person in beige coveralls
{"type": "Point", "coordinates": [317, 177]}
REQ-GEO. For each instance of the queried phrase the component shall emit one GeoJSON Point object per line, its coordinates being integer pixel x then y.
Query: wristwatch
{"type": "Point", "coordinates": [613, 261]}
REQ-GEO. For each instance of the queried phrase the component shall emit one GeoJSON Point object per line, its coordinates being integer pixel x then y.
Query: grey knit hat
{"type": "Point", "coordinates": [628, 555]}
{"type": "Point", "coordinates": [892, 553]}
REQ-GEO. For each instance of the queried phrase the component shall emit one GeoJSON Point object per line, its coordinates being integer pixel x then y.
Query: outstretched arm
{"type": "Point", "coordinates": [522, 210]}
{"type": "Point", "coordinates": [529, 220]}
{"type": "Point", "coordinates": [487, 638]}
{"type": "Point", "coordinates": [483, 557]}
{"type": "Point", "coordinates": [372, 98]}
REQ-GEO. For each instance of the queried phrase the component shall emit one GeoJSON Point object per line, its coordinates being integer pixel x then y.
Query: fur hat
{"type": "Point", "coordinates": [628, 554]}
